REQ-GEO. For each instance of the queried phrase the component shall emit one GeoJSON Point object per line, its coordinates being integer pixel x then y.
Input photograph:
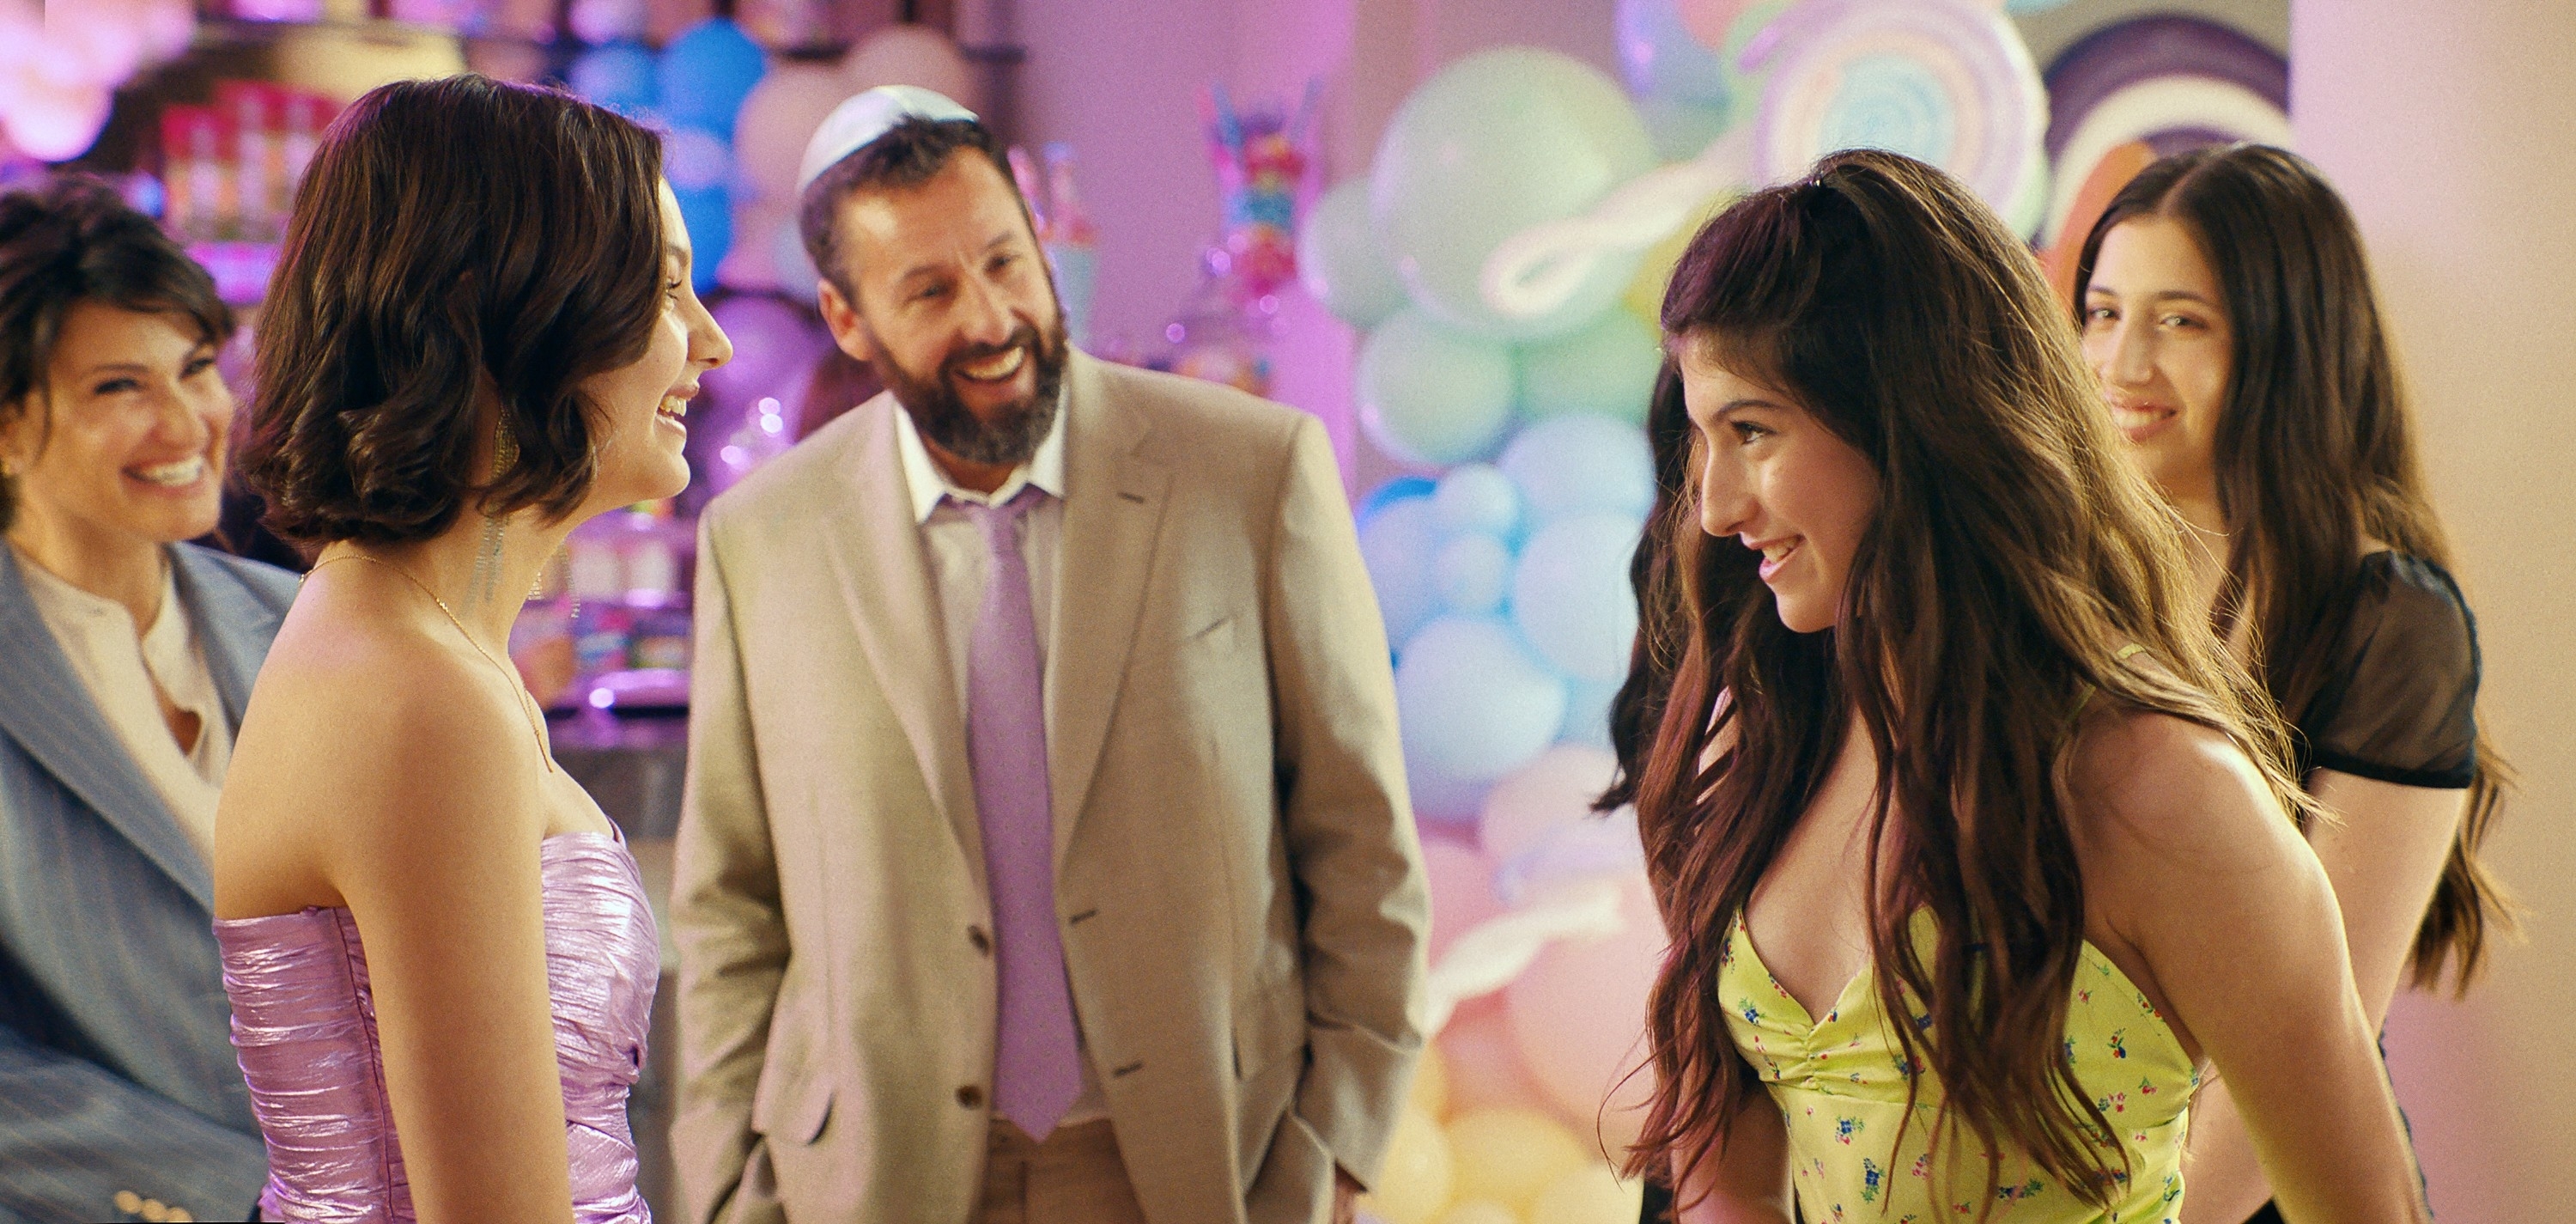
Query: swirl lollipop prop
{"type": "Point", "coordinates": [2165, 81]}
{"type": "Point", "coordinates": [1942, 80]}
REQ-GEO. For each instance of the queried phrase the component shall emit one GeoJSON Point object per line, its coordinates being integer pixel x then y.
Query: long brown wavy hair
{"type": "Point", "coordinates": [2315, 451]}
{"type": "Point", "coordinates": [1654, 577]}
{"type": "Point", "coordinates": [2014, 556]}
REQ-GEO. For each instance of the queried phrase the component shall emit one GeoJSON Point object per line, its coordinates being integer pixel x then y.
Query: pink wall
{"type": "Point", "coordinates": [1122, 82]}
{"type": "Point", "coordinates": [2452, 130]}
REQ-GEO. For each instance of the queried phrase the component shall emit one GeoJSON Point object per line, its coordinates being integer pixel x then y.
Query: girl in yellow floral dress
{"type": "Point", "coordinates": [1975, 847]}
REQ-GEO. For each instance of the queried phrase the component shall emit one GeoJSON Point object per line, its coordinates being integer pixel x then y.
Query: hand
{"type": "Point", "coordinates": [1346, 1195]}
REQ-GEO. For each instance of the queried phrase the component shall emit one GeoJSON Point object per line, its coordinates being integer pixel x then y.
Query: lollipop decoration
{"type": "Point", "coordinates": [1942, 80]}
{"type": "Point", "coordinates": [1260, 160]}
{"type": "Point", "coordinates": [2166, 81]}
{"type": "Point", "coordinates": [1223, 331]}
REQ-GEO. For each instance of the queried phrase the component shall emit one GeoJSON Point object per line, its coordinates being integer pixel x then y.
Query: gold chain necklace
{"type": "Point", "coordinates": [527, 703]}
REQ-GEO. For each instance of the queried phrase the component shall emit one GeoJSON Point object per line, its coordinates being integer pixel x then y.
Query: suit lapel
{"type": "Point", "coordinates": [234, 629]}
{"type": "Point", "coordinates": [884, 574]}
{"type": "Point", "coordinates": [54, 718]}
{"type": "Point", "coordinates": [1113, 507]}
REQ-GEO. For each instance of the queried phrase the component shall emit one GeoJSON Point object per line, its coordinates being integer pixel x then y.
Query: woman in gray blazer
{"type": "Point", "coordinates": [125, 658]}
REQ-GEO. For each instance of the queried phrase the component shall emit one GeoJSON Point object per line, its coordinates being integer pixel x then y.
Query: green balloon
{"type": "Point", "coordinates": [1341, 262]}
{"type": "Point", "coordinates": [1607, 369]}
{"type": "Point", "coordinates": [1494, 144]}
{"type": "Point", "coordinates": [1430, 394]}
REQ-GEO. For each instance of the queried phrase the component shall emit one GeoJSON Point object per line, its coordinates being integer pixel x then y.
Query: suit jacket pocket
{"type": "Point", "coordinates": [791, 1113]}
{"type": "Point", "coordinates": [1270, 1026]}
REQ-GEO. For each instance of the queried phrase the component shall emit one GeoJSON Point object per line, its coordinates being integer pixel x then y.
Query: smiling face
{"type": "Point", "coordinates": [1774, 477]}
{"type": "Point", "coordinates": [954, 309]}
{"type": "Point", "coordinates": [124, 445]}
{"type": "Point", "coordinates": [2156, 333]}
{"type": "Point", "coordinates": [645, 403]}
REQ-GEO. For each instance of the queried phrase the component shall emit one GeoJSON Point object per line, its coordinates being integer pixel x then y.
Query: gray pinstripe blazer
{"type": "Point", "coordinates": [117, 1071]}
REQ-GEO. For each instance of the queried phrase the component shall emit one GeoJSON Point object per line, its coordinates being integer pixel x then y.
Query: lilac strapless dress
{"type": "Point", "coordinates": [305, 1023]}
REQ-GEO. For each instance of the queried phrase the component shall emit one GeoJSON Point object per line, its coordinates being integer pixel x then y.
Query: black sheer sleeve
{"type": "Point", "coordinates": [2401, 708]}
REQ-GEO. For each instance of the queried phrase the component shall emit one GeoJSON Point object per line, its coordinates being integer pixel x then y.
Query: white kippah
{"type": "Point", "coordinates": [856, 123]}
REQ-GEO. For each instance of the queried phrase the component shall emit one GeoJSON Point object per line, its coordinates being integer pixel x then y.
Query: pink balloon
{"type": "Point", "coordinates": [1485, 1068]}
{"type": "Point", "coordinates": [1462, 891]}
{"type": "Point", "coordinates": [1555, 788]}
{"type": "Point", "coordinates": [1578, 1017]}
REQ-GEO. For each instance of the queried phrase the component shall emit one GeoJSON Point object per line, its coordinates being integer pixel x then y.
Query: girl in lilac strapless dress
{"type": "Point", "coordinates": [437, 948]}
{"type": "Point", "coordinates": [305, 1022]}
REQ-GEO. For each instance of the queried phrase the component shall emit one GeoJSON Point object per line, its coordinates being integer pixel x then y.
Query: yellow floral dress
{"type": "Point", "coordinates": [1841, 1081]}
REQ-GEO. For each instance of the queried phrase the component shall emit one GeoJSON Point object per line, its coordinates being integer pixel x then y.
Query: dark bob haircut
{"type": "Point", "coordinates": [456, 241]}
{"type": "Point", "coordinates": [74, 240]}
{"type": "Point", "coordinates": [911, 153]}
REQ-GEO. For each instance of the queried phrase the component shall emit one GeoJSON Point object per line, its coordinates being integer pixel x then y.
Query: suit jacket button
{"type": "Point", "coordinates": [971, 1097]}
{"type": "Point", "coordinates": [129, 1202]}
{"type": "Point", "coordinates": [983, 943]}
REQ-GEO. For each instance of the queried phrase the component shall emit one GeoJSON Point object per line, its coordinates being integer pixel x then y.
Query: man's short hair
{"type": "Point", "coordinates": [911, 153]}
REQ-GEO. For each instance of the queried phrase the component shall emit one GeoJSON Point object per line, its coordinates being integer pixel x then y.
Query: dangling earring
{"type": "Point", "coordinates": [487, 560]}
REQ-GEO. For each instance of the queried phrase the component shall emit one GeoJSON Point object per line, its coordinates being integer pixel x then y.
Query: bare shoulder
{"type": "Point", "coordinates": [2168, 814]}
{"type": "Point", "coordinates": [2143, 774]}
{"type": "Point", "coordinates": [366, 750]}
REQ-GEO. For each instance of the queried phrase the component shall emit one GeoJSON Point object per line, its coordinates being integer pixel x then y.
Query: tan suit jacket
{"type": "Point", "coordinates": [1240, 893]}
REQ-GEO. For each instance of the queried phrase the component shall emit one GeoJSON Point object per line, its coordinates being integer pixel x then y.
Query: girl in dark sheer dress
{"type": "Point", "coordinates": [2227, 308]}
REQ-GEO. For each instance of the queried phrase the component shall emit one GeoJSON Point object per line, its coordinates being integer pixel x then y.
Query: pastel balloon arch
{"type": "Point", "coordinates": [1505, 255]}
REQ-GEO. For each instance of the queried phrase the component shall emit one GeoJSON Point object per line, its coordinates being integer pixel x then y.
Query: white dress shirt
{"type": "Point", "coordinates": [128, 675]}
{"type": "Point", "coordinates": [960, 568]}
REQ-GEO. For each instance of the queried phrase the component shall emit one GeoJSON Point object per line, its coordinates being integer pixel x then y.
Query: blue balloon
{"type": "Point", "coordinates": [1661, 60]}
{"type": "Point", "coordinates": [1571, 599]}
{"type": "Point", "coordinates": [708, 212]}
{"type": "Point", "coordinates": [1474, 704]}
{"type": "Point", "coordinates": [707, 71]}
{"type": "Point", "coordinates": [1397, 544]}
{"type": "Point", "coordinates": [1473, 574]}
{"type": "Point", "coordinates": [1575, 464]}
{"type": "Point", "coordinates": [1587, 713]}
{"type": "Point", "coordinates": [618, 76]}
{"type": "Point", "coordinates": [1478, 497]}
{"type": "Point", "coordinates": [1388, 494]}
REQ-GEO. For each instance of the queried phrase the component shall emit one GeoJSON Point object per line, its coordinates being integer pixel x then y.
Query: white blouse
{"type": "Point", "coordinates": [128, 675]}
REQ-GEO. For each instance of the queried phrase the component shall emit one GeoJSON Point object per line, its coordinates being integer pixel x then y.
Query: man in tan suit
{"type": "Point", "coordinates": [1046, 852]}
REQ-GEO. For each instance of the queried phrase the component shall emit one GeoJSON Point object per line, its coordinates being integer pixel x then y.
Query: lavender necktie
{"type": "Point", "coordinates": [1036, 1068]}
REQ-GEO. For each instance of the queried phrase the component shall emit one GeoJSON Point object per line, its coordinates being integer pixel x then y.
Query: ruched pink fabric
{"type": "Point", "coordinates": [305, 1023]}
